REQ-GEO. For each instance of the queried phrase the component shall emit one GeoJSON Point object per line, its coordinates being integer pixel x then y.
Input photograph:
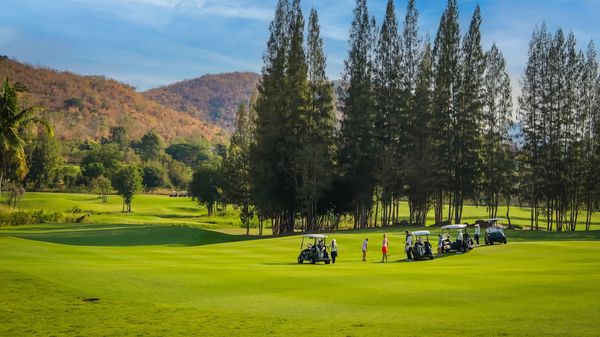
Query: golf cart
{"type": "Point", "coordinates": [494, 232]}
{"type": "Point", "coordinates": [316, 249]}
{"type": "Point", "coordinates": [453, 246]}
{"type": "Point", "coordinates": [421, 249]}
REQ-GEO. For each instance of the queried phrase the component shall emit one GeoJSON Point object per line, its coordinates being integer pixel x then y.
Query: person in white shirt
{"type": "Point", "coordinates": [459, 240]}
{"type": "Point", "coordinates": [384, 248]}
{"type": "Point", "coordinates": [477, 232]}
{"type": "Point", "coordinates": [334, 250]}
{"type": "Point", "coordinates": [408, 248]}
{"type": "Point", "coordinates": [364, 249]}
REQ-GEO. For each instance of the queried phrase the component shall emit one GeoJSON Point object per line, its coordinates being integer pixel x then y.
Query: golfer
{"type": "Point", "coordinates": [459, 240]}
{"type": "Point", "coordinates": [477, 231]}
{"type": "Point", "coordinates": [440, 247]}
{"type": "Point", "coordinates": [384, 248]}
{"type": "Point", "coordinates": [364, 248]}
{"type": "Point", "coordinates": [408, 247]}
{"type": "Point", "coordinates": [334, 250]}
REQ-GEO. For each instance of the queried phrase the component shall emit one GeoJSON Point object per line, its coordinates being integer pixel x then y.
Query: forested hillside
{"type": "Point", "coordinates": [214, 98]}
{"type": "Point", "coordinates": [86, 107]}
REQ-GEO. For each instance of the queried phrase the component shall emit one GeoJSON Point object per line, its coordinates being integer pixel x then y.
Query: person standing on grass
{"type": "Point", "coordinates": [440, 248]}
{"type": "Point", "coordinates": [384, 248]}
{"type": "Point", "coordinates": [364, 248]}
{"type": "Point", "coordinates": [477, 231]}
{"type": "Point", "coordinates": [408, 247]}
{"type": "Point", "coordinates": [459, 240]}
{"type": "Point", "coordinates": [334, 250]}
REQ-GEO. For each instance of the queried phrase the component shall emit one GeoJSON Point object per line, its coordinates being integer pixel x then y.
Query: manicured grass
{"type": "Point", "coordinates": [181, 281]}
{"type": "Point", "coordinates": [160, 209]}
{"type": "Point", "coordinates": [147, 209]}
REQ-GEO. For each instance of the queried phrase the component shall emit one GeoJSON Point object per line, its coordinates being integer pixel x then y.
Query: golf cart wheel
{"type": "Point", "coordinates": [327, 261]}
{"type": "Point", "coordinates": [504, 240]}
{"type": "Point", "coordinates": [300, 259]}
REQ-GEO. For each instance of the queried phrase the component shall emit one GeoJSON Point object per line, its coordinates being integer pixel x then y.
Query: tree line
{"type": "Point", "coordinates": [427, 122]}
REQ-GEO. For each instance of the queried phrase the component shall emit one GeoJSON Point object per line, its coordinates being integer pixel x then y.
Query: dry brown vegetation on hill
{"type": "Point", "coordinates": [214, 98]}
{"type": "Point", "coordinates": [85, 107]}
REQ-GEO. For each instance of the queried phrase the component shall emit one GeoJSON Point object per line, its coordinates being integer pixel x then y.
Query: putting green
{"type": "Point", "coordinates": [179, 281]}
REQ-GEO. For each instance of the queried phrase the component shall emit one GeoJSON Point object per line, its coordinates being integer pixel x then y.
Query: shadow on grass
{"type": "Point", "coordinates": [123, 235]}
{"type": "Point", "coordinates": [525, 235]}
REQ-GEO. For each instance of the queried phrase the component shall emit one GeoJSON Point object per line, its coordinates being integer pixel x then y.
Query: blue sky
{"type": "Point", "coordinates": [148, 43]}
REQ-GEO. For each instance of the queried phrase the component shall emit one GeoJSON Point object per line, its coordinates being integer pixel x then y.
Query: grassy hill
{"type": "Point", "coordinates": [214, 98]}
{"type": "Point", "coordinates": [178, 282]}
{"type": "Point", "coordinates": [85, 107]}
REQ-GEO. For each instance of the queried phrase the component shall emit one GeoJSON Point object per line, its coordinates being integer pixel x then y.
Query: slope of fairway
{"type": "Point", "coordinates": [533, 286]}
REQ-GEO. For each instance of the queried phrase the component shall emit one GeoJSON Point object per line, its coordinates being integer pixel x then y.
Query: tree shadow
{"type": "Point", "coordinates": [123, 235]}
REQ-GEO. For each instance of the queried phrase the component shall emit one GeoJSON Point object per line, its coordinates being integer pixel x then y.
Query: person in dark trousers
{"type": "Point", "coordinates": [459, 241]}
{"type": "Point", "coordinates": [334, 250]}
{"type": "Point", "coordinates": [477, 232]}
{"type": "Point", "coordinates": [408, 247]}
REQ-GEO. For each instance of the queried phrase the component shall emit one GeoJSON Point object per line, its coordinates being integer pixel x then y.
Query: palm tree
{"type": "Point", "coordinates": [13, 122]}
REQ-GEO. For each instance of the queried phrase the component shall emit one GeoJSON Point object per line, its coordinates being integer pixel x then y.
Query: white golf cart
{"type": "Point", "coordinates": [315, 250]}
{"type": "Point", "coordinates": [421, 249]}
{"type": "Point", "coordinates": [449, 245]}
{"type": "Point", "coordinates": [495, 231]}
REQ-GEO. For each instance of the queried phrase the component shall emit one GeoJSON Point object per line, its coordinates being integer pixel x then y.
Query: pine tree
{"type": "Point", "coordinates": [497, 120]}
{"type": "Point", "coordinates": [446, 55]}
{"type": "Point", "coordinates": [388, 117]}
{"type": "Point", "coordinates": [411, 50]}
{"type": "Point", "coordinates": [274, 191]}
{"type": "Point", "coordinates": [318, 148]}
{"type": "Point", "coordinates": [467, 119]}
{"type": "Point", "coordinates": [419, 173]}
{"type": "Point", "coordinates": [356, 143]}
{"type": "Point", "coordinates": [532, 119]}
{"type": "Point", "coordinates": [589, 108]}
{"type": "Point", "coordinates": [237, 188]}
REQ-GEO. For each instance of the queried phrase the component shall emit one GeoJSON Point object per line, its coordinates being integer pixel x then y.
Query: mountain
{"type": "Point", "coordinates": [85, 107]}
{"type": "Point", "coordinates": [213, 98]}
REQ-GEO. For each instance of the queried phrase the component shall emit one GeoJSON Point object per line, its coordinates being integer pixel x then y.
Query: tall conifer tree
{"type": "Point", "coordinates": [358, 108]}
{"type": "Point", "coordinates": [446, 54]}
{"type": "Point", "coordinates": [388, 118]}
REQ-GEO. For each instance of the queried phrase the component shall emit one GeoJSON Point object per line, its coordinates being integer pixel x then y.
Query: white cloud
{"type": "Point", "coordinates": [228, 9]}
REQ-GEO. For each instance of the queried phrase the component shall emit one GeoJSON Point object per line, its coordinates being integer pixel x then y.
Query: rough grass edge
{"type": "Point", "coordinates": [10, 218]}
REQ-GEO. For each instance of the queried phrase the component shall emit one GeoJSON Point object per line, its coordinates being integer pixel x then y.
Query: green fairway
{"type": "Point", "coordinates": [161, 209]}
{"type": "Point", "coordinates": [180, 281]}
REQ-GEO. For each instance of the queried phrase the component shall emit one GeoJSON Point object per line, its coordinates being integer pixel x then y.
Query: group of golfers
{"type": "Point", "coordinates": [384, 247]}
{"type": "Point", "coordinates": [443, 244]}
{"type": "Point", "coordinates": [385, 244]}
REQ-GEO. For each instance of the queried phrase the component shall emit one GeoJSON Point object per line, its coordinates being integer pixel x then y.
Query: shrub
{"type": "Point", "coordinates": [29, 217]}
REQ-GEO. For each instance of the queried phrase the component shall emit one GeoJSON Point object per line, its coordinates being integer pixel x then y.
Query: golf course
{"type": "Point", "coordinates": [190, 275]}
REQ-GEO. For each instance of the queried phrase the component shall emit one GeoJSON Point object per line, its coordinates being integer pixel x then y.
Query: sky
{"type": "Point", "coordinates": [150, 43]}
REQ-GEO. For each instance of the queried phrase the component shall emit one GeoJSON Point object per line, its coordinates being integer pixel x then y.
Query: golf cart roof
{"type": "Point", "coordinates": [454, 227]}
{"type": "Point", "coordinates": [494, 219]}
{"type": "Point", "coordinates": [315, 236]}
{"type": "Point", "coordinates": [418, 233]}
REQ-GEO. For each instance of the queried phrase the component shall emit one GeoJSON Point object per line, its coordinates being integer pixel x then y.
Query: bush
{"type": "Point", "coordinates": [30, 217]}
